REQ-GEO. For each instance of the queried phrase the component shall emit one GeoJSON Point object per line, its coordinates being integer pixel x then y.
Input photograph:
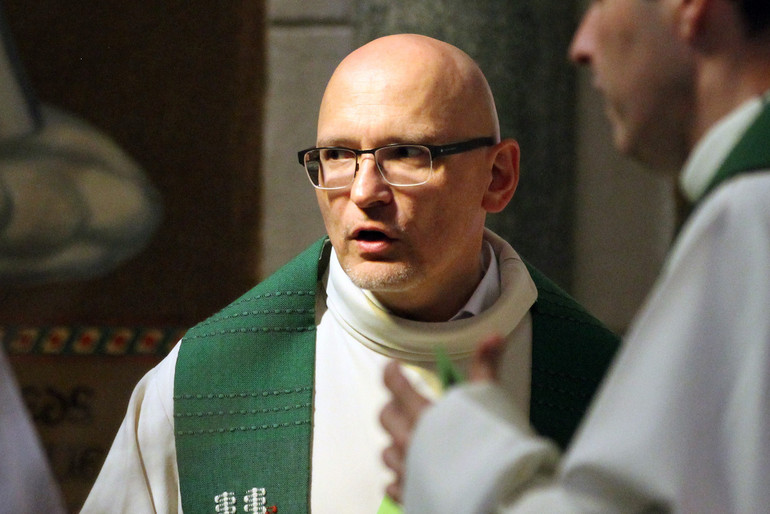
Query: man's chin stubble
{"type": "Point", "coordinates": [389, 280]}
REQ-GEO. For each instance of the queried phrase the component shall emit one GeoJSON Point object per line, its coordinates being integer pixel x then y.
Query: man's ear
{"type": "Point", "coordinates": [505, 175]}
{"type": "Point", "coordinates": [691, 16]}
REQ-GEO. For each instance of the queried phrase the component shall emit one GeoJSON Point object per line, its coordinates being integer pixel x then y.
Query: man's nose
{"type": "Point", "coordinates": [369, 187]}
{"type": "Point", "coordinates": [582, 47]}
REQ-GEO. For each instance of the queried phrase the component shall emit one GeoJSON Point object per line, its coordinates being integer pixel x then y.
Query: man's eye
{"type": "Point", "coordinates": [407, 152]}
{"type": "Point", "coordinates": [334, 154]}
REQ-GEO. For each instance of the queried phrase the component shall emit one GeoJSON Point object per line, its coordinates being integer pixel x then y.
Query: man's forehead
{"type": "Point", "coordinates": [359, 128]}
{"type": "Point", "coordinates": [379, 86]}
{"type": "Point", "coordinates": [381, 117]}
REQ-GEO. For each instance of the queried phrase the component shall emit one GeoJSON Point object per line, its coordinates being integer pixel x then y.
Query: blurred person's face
{"type": "Point", "coordinates": [644, 70]}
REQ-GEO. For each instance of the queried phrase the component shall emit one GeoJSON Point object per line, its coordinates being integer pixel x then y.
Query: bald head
{"type": "Point", "coordinates": [434, 85]}
{"type": "Point", "coordinates": [415, 247]}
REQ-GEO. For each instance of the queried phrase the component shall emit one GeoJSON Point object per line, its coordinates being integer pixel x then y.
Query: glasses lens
{"type": "Point", "coordinates": [405, 165]}
{"type": "Point", "coordinates": [312, 165]}
{"type": "Point", "coordinates": [330, 168]}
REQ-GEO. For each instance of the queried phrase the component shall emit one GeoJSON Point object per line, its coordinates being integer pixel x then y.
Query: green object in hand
{"type": "Point", "coordinates": [447, 373]}
{"type": "Point", "coordinates": [388, 506]}
{"type": "Point", "coordinates": [449, 376]}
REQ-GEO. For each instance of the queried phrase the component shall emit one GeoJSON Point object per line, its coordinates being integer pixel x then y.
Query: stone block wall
{"type": "Point", "coordinates": [305, 42]}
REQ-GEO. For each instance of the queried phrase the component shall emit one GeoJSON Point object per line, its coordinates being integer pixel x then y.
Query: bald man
{"type": "Point", "coordinates": [272, 404]}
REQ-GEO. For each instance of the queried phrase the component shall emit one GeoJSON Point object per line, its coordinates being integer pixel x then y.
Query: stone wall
{"type": "Point", "coordinates": [305, 42]}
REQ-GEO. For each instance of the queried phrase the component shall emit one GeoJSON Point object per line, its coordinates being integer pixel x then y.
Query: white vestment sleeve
{"type": "Point", "coordinates": [472, 450]}
{"type": "Point", "coordinates": [682, 422]}
{"type": "Point", "coordinates": [140, 472]}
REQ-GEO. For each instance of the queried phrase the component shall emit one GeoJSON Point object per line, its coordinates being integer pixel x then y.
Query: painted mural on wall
{"type": "Point", "coordinates": [73, 205]}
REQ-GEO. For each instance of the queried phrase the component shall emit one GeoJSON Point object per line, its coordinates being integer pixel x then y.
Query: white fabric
{"type": "Point", "coordinates": [354, 338]}
{"type": "Point", "coordinates": [683, 422]}
{"type": "Point", "coordinates": [712, 150]}
{"type": "Point", "coordinates": [365, 319]}
{"type": "Point", "coordinates": [139, 474]}
{"type": "Point", "coordinates": [26, 482]}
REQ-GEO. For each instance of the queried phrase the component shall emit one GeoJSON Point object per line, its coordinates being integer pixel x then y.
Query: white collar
{"type": "Point", "coordinates": [714, 147]}
{"type": "Point", "coordinates": [369, 323]}
{"type": "Point", "coordinates": [488, 289]}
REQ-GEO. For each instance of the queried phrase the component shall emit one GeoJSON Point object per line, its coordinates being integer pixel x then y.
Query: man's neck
{"type": "Point", "coordinates": [425, 302]}
{"type": "Point", "coordinates": [728, 79]}
{"type": "Point", "coordinates": [440, 306]}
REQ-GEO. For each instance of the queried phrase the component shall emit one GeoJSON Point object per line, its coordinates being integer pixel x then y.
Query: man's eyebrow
{"type": "Point", "coordinates": [349, 143]}
{"type": "Point", "coordinates": [335, 142]}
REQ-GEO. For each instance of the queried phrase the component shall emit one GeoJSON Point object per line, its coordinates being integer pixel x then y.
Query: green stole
{"type": "Point", "coordinates": [243, 391]}
{"type": "Point", "coordinates": [751, 153]}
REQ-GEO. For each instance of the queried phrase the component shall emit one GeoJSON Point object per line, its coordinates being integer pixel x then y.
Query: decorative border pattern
{"type": "Point", "coordinates": [88, 340]}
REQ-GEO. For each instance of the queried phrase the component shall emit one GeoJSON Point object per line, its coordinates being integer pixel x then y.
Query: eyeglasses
{"type": "Point", "coordinates": [333, 167]}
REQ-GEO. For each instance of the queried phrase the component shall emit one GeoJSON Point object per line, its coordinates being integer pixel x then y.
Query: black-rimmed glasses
{"type": "Point", "coordinates": [333, 167]}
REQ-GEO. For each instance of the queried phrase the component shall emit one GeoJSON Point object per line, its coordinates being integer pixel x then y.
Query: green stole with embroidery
{"type": "Point", "coordinates": [243, 392]}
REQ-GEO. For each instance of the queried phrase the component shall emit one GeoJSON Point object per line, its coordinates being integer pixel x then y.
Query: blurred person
{"type": "Point", "coordinates": [681, 424]}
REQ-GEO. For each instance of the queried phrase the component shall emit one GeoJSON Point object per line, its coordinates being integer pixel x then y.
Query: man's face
{"type": "Point", "coordinates": [644, 70]}
{"type": "Point", "coordinates": [403, 243]}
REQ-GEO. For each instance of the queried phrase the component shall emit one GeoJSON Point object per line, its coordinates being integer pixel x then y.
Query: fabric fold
{"type": "Point", "coordinates": [414, 341]}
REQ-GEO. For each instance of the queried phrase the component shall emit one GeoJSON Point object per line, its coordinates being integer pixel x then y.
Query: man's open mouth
{"type": "Point", "coordinates": [371, 235]}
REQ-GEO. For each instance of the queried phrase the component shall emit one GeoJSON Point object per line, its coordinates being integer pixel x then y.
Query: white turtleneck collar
{"type": "Point", "coordinates": [713, 148]}
{"type": "Point", "coordinates": [369, 323]}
